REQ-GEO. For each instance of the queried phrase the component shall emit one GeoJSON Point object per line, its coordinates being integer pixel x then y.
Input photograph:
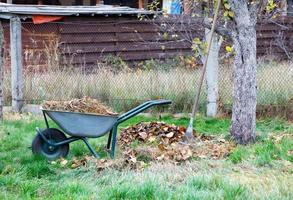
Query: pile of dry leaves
{"type": "Point", "coordinates": [151, 132]}
{"type": "Point", "coordinates": [158, 141]}
{"type": "Point", "coordinates": [165, 142]}
{"type": "Point", "coordinates": [84, 105]}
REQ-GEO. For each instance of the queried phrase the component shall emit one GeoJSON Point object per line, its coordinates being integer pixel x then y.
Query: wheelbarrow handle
{"type": "Point", "coordinates": [136, 108]}
{"type": "Point", "coordinates": [141, 108]}
{"type": "Point", "coordinates": [126, 116]}
{"type": "Point", "coordinates": [160, 102]}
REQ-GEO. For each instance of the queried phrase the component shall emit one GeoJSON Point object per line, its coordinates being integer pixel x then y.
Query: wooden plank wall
{"type": "Point", "coordinates": [84, 41]}
{"type": "Point", "coordinates": [131, 40]}
{"type": "Point", "coordinates": [275, 37]}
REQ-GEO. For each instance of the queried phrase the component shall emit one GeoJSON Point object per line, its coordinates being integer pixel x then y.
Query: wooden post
{"type": "Point", "coordinates": [16, 64]}
{"type": "Point", "coordinates": [9, 1]}
{"type": "Point", "coordinates": [212, 74]}
{"type": "Point", "coordinates": [96, 2]}
{"type": "Point", "coordinates": [187, 6]}
{"type": "Point", "coordinates": [1, 71]}
{"type": "Point", "coordinates": [141, 4]}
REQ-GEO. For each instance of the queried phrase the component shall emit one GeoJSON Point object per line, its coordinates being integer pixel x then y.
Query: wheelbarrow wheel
{"type": "Point", "coordinates": [40, 146]}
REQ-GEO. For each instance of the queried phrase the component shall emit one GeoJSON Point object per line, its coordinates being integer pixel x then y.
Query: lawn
{"type": "Point", "coordinates": [263, 170]}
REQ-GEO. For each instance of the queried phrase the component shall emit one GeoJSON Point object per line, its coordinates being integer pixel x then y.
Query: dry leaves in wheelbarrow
{"type": "Point", "coordinates": [84, 105]}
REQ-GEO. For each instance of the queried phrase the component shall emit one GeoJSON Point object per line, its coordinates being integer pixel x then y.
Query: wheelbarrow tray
{"type": "Point", "coordinates": [82, 124]}
{"type": "Point", "coordinates": [53, 143]}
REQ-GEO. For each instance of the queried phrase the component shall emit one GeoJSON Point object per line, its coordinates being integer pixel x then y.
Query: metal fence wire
{"type": "Point", "coordinates": [124, 63]}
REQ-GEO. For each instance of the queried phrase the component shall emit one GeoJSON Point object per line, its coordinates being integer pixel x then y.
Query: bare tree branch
{"type": "Point", "coordinates": [225, 32]}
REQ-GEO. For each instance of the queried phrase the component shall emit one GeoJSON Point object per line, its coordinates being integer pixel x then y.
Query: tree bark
{"type": "Point", "coordinates": [244, 91]}
{"type": "Point", "coordinates": [1, 71]}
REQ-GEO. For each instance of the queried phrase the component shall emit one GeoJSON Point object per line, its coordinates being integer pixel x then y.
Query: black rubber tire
{"type": "Point", "coordinates": [39, 146]}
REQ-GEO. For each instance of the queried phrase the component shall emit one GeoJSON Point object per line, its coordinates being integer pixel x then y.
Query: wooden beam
{"type": "Point", "coordinates": [16, 64]}
{"type": "Point", "coordinates": [1, 71]}
{"type": "Point", "coordinates": [140, 4]}
{"type": "Point", "coordinates": [187, 6]}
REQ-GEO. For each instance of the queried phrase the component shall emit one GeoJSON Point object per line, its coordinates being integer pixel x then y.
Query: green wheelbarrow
{"type": "Point", "coordinates": [53, 143]}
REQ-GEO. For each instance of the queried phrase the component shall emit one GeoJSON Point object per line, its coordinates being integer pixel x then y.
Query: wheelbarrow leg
{"type": "Point", "coordinates": [90, 147]}
{"type": "Point", "coordinates": [114, 133]}
{"type": "Point", "coordinates": [109, 140]}
{"type": "Point", "coordinates": [130, 114]}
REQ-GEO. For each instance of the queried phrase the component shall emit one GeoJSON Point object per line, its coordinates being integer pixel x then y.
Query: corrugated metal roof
{"type": "Point", "coordinates": [69, 10]}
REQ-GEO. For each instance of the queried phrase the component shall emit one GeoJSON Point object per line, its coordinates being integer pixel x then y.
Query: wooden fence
{"type": "Point", "coordinates": [85, 40]}
{"type": "Point", "coordinates": [275, 37]}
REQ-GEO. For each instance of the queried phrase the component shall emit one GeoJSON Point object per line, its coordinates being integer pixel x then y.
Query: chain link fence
{"type": "Point", "coordinates": [112, 62]}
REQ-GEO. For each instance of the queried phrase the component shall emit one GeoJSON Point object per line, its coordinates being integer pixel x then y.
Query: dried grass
{"type": "Point", "coordinates": [122, 90]}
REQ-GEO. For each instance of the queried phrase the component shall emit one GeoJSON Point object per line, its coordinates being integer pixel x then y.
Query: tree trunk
{"type": "Point", "coordinates": [1, 71]}
{"type": "Point", "coordinates": [244, 94]}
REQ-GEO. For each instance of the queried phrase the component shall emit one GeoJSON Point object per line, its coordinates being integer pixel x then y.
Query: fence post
{"type": "Point", "coordinates": [212, 75]}
{"type": "Point", "coordinates": [16, 64]}
{"type": "Point", "coordinates": [1, 71]}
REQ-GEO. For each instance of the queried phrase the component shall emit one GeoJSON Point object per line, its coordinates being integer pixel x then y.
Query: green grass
{"type": "Point", "coordinates": [239, 154]}
{"type": "Point", "coordinates": [263, 170]}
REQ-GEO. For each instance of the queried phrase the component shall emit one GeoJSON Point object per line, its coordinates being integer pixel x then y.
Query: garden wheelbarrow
{"type": "Point", "coordinates": [53, 143]}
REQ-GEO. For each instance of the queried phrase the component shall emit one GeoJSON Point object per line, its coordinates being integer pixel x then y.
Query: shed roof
{"type": "Point", "coordinates": [13, 9]}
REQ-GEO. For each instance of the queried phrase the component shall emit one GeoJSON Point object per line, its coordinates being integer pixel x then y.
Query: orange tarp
{"type": "Point", "coordinates": [40, 19]}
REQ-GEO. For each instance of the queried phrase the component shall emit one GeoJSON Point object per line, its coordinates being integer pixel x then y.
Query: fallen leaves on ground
{"type": "Point", "coordinates": [158, 142]}
{"type": "Point", "coordinates": [212, 148]}
{"type": "Point", "coordinates": [169, 145]}
{"type": "Point", "coordinates": [151, 132]}
{"type": "Point", "coordinates": [277, 138]}
{"type": "Point", "coordinates": [63, 162]}
{"type": "Point", "coordinates": [84, 105]}
{"type": "Point", "coordinates": [290, 152]}
{"type": "Point", "coordinates": [127, 161]}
